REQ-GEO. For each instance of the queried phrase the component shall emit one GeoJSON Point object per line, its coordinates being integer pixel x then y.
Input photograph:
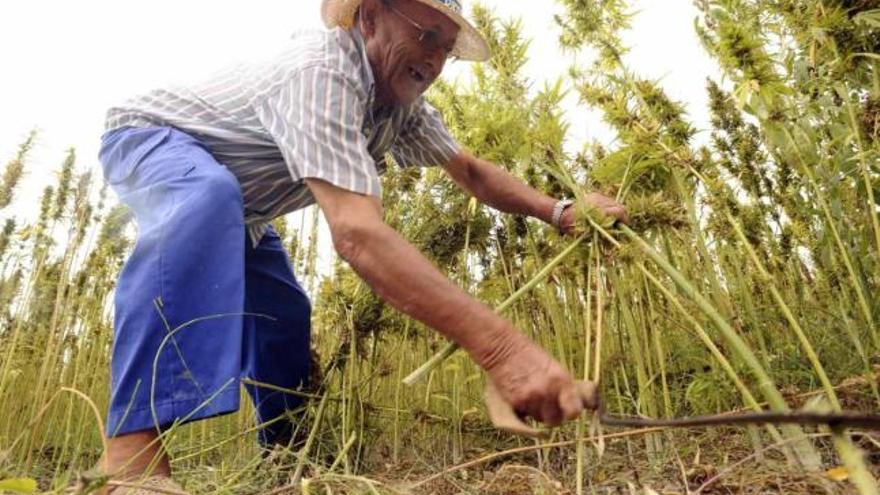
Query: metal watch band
{"type": "Point", "coordinates": [560, 207]}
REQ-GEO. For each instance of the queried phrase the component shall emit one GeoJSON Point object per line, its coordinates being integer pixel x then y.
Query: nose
{"type": "Point", "coordinates": [435, 60]}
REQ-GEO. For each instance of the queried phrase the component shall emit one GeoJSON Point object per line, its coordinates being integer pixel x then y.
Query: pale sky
{"type": "Point", "coordinates": [64, 63]}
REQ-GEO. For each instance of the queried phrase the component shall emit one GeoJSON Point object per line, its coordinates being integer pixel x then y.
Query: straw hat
{"type": "Point", "coordinates": [470, 44]}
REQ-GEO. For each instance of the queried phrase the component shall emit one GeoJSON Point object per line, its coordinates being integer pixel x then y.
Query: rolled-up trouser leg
{"type": "Point", "coordinates": [180, 297]}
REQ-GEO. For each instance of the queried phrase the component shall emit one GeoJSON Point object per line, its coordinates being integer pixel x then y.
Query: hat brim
{"type": "Point", "coordinates": [470, 44]}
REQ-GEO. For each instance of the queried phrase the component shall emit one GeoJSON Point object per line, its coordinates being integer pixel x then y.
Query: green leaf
{"type": "Point", "coordinates": [866, 55]}
{"type": "Point", "coordinates": [869, 18]}
{"type": "Point", "coordinates": [19, 485]}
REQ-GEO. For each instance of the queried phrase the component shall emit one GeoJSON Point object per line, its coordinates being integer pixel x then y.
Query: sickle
{"type": "Point", "coordinates": [505, 418]}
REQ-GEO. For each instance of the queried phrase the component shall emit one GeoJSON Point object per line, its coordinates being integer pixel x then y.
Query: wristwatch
{"type": "Point", "coordinates": [560, 207]}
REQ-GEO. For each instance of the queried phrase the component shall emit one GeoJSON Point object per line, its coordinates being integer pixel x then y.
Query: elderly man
{"type": "Point", "coordinates": [205, 168]}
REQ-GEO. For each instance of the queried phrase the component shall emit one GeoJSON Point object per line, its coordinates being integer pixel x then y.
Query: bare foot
{"type": "Point", "coordinates": [135, 455]}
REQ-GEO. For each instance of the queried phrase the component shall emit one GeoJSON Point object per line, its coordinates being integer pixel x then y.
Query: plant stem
{"type": "Point", "coordinates": [450, 348]}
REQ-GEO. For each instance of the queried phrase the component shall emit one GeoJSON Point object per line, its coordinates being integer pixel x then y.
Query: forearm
{"type": "Point", "coordinates": [494, 186]}
{"type": "Point", "coordinates": [526, 376]}
{"type": "Point", "coordinates": [404, 278]}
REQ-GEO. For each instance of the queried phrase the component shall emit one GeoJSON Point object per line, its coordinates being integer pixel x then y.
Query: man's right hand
{"type": "Point", "coordinates": [535, 384]}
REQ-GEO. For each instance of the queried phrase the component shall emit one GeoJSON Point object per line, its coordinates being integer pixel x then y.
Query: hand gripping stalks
{"type": "Point", "coordinates": [504, 418]}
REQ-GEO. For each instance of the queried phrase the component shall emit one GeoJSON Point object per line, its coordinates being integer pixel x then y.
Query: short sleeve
{"type": "Point", "coordinates": [424, 139]}
{"type": "Point", "coordinates": [315, 119]}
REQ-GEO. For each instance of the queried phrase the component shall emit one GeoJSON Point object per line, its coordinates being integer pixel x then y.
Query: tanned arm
{"type": "Point", "coordinates": [494, 186]}
{"type": "Point", "coordinates": [526, 376]}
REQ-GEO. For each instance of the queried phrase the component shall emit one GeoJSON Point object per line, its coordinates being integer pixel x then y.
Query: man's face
{"type": "Point", "coordinates": [406, 59]}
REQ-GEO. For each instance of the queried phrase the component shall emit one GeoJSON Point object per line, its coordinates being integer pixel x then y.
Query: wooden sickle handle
{"type": "Point", "coordinates": [504, 418]}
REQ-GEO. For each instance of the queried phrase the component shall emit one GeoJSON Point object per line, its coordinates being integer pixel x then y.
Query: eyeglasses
{"type": "Point", "coordinates": [429, 38]}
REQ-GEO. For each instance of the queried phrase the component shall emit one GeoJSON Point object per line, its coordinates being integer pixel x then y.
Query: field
{"type": "Point", "coordinates": [747, 280]}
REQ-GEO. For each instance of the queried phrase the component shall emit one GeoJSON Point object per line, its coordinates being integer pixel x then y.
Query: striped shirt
{"type": "Point", "coordinates": [307, 112]}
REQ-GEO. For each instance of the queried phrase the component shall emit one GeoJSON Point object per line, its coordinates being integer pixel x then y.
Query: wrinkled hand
{"type": "Point", "coordinates": [607, 206]}
{"type": "Point", "coordinates": [537, 386]}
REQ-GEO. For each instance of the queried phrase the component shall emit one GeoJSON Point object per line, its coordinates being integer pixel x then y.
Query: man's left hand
{"type": "Point", "coordinates": [607, 206]}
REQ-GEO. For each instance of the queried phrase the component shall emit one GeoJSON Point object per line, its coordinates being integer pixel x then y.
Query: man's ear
{"type": "Point", "coordinates": [367, 17]}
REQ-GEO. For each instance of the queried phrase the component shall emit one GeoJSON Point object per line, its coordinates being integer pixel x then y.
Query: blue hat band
{"type": "Point", "coordinates": [455, 5]}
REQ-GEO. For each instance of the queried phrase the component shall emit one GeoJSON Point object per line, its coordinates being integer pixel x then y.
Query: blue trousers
{"type": "Point", "coordinates": [197, 307]}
